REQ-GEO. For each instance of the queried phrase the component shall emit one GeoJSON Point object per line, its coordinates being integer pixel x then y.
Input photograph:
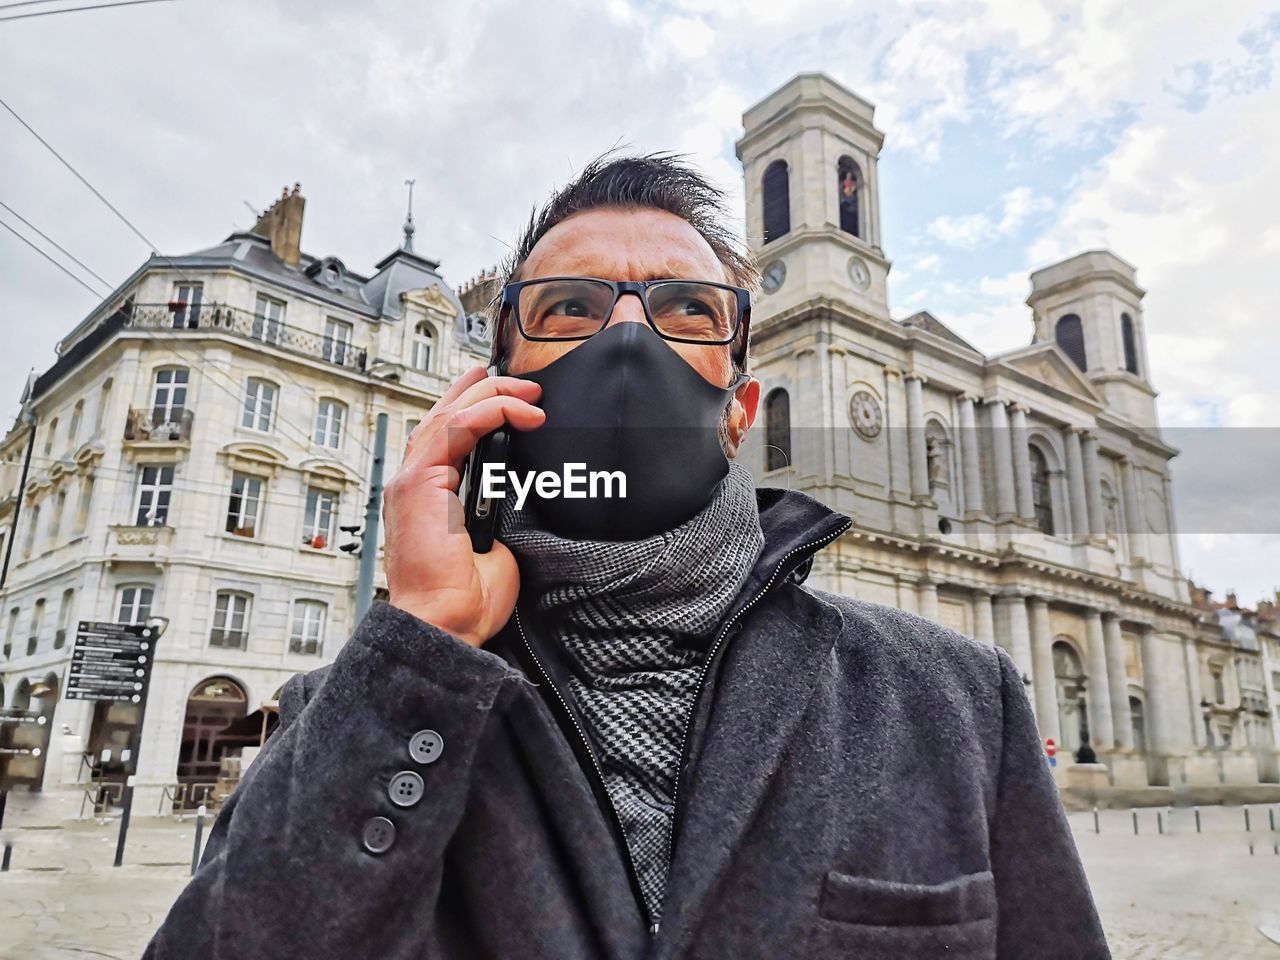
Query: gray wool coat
{"type": "Point", "coordinates": [856, 782]}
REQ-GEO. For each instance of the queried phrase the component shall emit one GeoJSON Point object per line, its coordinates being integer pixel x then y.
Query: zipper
{"type": "Point", "coordinates": [706, 669]}
{"type": "Point", "coordinates": [620, 834]}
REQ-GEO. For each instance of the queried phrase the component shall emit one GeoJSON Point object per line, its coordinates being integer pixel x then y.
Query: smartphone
{"type": "Point", "coordinates": [480, 513]}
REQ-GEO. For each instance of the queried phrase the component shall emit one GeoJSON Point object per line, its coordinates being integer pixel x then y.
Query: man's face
{"type": "Point", "coordinates": [634, 244]}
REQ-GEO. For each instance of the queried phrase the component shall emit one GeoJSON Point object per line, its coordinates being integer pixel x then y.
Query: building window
{"type": "Point", "coordinates": [64, 618]}
{"type": "Point", "coordinates": [230, 620]}
{"type": "Point", "coordinates": [777, 430]}
{"type": "Point", "coordinates": [73, 431]}
{"type": "Point", "coordinates": [82, 505]}
{"type": "Point", "coordinates": [245, 505]}
{"type": "Point", "coordinates": [777, 201]}
{"type": "Point", "coordinates": [1130, 344]}
{"type": "Point", "coordinates": [1070, 336]}
{"type": "Point", "coordinates": [268, 319]}
{"type": "Point", "coordinates": [848, 182]}
{"type": "Point", "coordinates": [422, 340]}
{"type": "Point", "coordinates": [329, 419]}
{"type": "Point", "coordinates": [55, 521]}
{"type": "Point", "coordinates": [50, 437]}
{"type": "Point", "coordinates": [307, 633]}
{"type": "Point", "coordinates": [133, 603]}
{"type": "Point", "coordinates": [11, 631]}
{"type": "Point", "coordinates": [1219, 688]}
{"type": "Point", "coordinates": [186, 304]}
{"type": "Point", "coordinates": [29, 546]}
{"type": "Point", "coordinates": [104, 402]}
{"type": "Point", "coordinates": [337, 340]}
{"type": "Point", "coordinates": [169, 398]}
{"type": "Point", "coordinates": [259, 404]}
{"type": "Point", "coordinates": [1041, 490]}
{"type": "Point", "coordinates": [37, 625]}
{"type": "Point", "coordinates": [155, 487]}
{"type": "Point", "coordinates": [317, 524]}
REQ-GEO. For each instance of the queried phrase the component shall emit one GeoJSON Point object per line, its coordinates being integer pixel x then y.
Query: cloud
{"type": "Point", "coordinates": [1003, 219]}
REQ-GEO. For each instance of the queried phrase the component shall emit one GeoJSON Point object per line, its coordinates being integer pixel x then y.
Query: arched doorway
{"type": "Point", "coordinates": [1138, 723]}
{"type": "Point", "coordinates": [1073, 711]}
{"type": "Point", "coordinates": [211, 707]}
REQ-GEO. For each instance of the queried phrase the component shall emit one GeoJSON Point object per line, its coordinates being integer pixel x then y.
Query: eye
{"type": "Point", "coordinates": [567, 308]}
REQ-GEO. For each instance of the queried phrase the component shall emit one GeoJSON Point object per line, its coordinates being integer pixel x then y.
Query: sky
{"type": "Point", "coordinates": [1017, 132]}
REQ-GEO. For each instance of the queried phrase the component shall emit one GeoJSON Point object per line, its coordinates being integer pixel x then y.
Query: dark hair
{"type": "Point", "coordinates": [660, 181]}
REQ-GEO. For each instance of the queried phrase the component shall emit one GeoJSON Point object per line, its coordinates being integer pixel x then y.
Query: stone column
{"type": "Point", "coordinates": [1157, 706]}
{"type": "Point", "coordinates": [1075, 485]}
{"type": "Point", "coordinates": [1118, 681]}
{"type": "Point", "coordinates": [927, 598]}
{"type": "Point", "coordinates": [1022, 463]}
{"type": "Point", "coordinates": [1017, 633]}
{"type": "Point", "coordinates": [984, 628]}
{"type": "Point", "coordinates": [970, 458]}
{"type": "Point", "coordinates": [1044, 683]}
{"type": "Point", "coordinates": [1093, 487]}
{"type": "Point", "coordinates": [1101, 730]}
{"type": "Point", "coordinates": [1002, 457]}
{"type": "Point", "coordinates": [1194, 693]}
{"type": "Point", "coordinates": [915, 437]}
{"type": "Point", "coordinates": [1134, 521]}
{"type": "Point", "coordinates": [1170, 520]}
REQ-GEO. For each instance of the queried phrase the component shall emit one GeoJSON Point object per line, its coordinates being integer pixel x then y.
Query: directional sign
{"type": "Point", "coordinates": [111, 661]}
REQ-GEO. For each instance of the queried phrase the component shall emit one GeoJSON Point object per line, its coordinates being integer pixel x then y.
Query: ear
{"type": "Point", "coordinates": [742, 414]}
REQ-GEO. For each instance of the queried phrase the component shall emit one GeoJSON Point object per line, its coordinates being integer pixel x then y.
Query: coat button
{"type": "Point", "coordinates": [379, 834]}
{"type": "Point", "coordinates": [406, 788]}
{"type": "Point", "coordinates": [425, 746]}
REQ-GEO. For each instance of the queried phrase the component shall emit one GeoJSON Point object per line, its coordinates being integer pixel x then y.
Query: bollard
{"type": "Point", "coordinates": [1251, 848]}
{"type": "Point", "coordinates": [1247, 828]}
{"type": "Point", "coordinates": [1197, 819]}
{"type": "Point", "coordinates": [1160, 822]}
{"type": "Point", "coordinates": [8, 855]}
{"type": "Point", "coordinates": [1095, 821]}
{"type": "Point", "coordinates": [1272, 814]}
{"type": "Point", "coordinates": [195, 850]}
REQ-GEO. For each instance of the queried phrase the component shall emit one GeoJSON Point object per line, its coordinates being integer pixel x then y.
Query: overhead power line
{"type": "Point", "coordinates": [49, 13]}
{"type": "Point", "coordinates": [68, 165]}
{"type": "Point", "coordinates": [95, 293]}
{"type": "Point", "coordinates": [61, 249]}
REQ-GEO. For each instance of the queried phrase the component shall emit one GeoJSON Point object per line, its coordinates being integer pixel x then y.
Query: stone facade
{"type": "Point", "coordinates": [246, 363]}
{"type": "Point", "coordinates": [1022, 498]}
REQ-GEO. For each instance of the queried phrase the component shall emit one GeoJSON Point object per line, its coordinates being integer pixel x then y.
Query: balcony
{"type": "Point", "coordinates": [157, 427]}
{"type": "Point", "coordinates": [182, 318]}
{"type": "Point", "coordinates": [131, 544]}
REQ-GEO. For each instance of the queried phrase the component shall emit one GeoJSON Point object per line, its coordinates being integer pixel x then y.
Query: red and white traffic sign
{"type": "Point", "coordinates": [1050, 748]}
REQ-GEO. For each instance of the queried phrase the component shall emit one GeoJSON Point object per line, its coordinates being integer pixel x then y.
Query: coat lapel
{"type": "Point", "coordinates": [761, 693]}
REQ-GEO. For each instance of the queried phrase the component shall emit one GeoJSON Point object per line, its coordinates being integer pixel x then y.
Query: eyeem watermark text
{"type": "Point", "coordinates": [575, 483]}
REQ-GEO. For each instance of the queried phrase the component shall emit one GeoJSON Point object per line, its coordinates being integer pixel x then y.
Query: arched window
{"type": "Point", "coordinates": [1111, 508]}
{"type": "Point", "coordinates": [51, 437]}
{"type": "Point", "coordinates": [777, 429]}
{"type": "Point", "coordinates": [422, 341]}
{"type": "Point", "coordinates": [1073, 713]}
{"type": "Point", "coordinates": [1041, 492]}
{"type": "Point", "coordinates": [104, 401]}
{"type": "Point", "coordinates": [848, 183]}
{"type": "Point", "coordinates": [777, 201]}
{"type": "Point", "coordinates": [1070, 336]}
{"type": "Point", "coordinates": [73, 431]}
{"type": "Point", "coordinates": [32, 525]}
{"type": "Point", "coordinates": [1130, 344]}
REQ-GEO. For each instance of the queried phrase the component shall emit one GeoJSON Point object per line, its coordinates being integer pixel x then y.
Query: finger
{"type": "Point", "coordinates": [457, 437]}
{"type": "Point", "coordinates": [525, 390]}
{"type": "Point", "coordinates": [470, 376]}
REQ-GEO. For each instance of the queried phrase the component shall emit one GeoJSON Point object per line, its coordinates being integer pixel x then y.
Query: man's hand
{"type": "Point", "coordinates": [432, 571]}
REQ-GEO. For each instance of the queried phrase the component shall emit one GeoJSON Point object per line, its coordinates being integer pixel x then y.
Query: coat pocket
{"type": "Point", "coordinates": [890, 903]}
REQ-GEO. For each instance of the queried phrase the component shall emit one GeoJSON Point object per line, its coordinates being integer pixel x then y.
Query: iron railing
{"type": "Point", "coordinates": [231, 639]}
{"type": "Point", "coordinates": [180, 317]}
{"type": "Point", "coordinates": [147, 423]}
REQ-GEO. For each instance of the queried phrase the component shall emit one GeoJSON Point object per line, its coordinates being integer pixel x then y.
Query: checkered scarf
{"type": "Point", "coordinates": [625, 613]}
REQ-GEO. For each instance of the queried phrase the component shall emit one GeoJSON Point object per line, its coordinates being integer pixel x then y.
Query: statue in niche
{"type": "Point", "coordinates": [936, 458]}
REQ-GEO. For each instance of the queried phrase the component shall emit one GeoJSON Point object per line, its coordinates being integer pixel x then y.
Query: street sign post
{"type": "Point", "coordinates": [112, 661]}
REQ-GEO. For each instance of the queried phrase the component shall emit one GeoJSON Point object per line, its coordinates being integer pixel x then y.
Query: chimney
{"type": "Point", "coordinates": [282, 225]}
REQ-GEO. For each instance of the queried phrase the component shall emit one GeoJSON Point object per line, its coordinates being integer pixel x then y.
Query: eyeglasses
{"type": "Point", "coordinates": [576, 308]}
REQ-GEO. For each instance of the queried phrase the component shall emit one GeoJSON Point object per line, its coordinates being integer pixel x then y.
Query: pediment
{"type": "Point", "coordinates": [323, 468]}
{"type": "Point", "coordinates": [924, 320]}
{"type": "Point", "coordinates": [1046, 364]}
{"type": "Point", "coordinates": [431, 298]}
{"type": "Point", "coordinates": [254, 454]}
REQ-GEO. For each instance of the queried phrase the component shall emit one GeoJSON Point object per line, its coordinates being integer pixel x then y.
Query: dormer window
{"type": "Point", "coordinates": [423, 337]}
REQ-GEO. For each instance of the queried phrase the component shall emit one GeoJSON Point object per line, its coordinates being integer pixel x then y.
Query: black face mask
{"type": "Point", "coordinates": [625, 401]}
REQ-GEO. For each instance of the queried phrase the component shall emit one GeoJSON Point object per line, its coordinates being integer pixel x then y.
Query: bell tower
{"type": "Point", "coordinates": [1091, 306]}
{"type": "Point", "coordinates": [809, 154]}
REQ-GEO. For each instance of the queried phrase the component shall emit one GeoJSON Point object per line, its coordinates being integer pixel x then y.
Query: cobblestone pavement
{"type": "Point", "coordinates": [1176, 896]}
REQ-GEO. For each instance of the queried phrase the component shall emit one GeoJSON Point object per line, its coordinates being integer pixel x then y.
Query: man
{"type": "Point", "coordinates": [630, 729]}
